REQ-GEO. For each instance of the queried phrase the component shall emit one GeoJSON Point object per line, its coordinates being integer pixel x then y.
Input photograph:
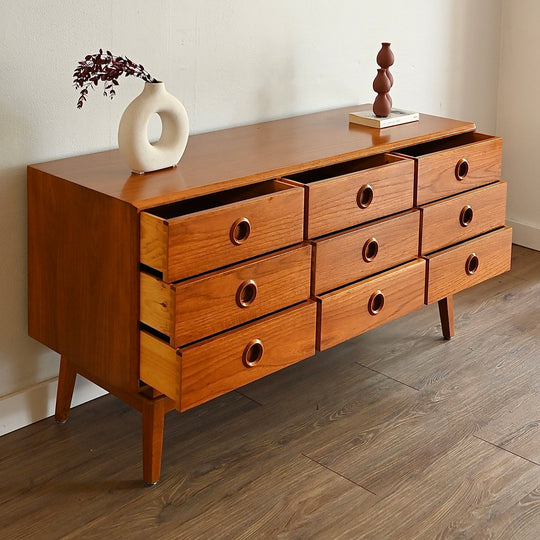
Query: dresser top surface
{"type": "Point", "coordinates": [237, 156]}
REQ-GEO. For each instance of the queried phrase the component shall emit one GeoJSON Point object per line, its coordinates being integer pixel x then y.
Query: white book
{"type": "Point", "coordinates": [396, 117]}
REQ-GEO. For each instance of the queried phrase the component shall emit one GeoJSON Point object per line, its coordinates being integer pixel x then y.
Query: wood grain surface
{"type": "Point", "coordinates": [447, 269]}
{"type": "Point", "coordinates": [247, 154]}
{"type": "Point", "coordinates": [441, 224]}
{"type": "Point", "coordinates": [212, 304]}
{"type": "Point", "coordinates": [83, 290]}
{"type": "Point", "coordinates": [340, 258]}
{"type": "Point", "coordinates": [215, 366]}
{"type": "Point", "coordinates": [200, 241]}
{"type": "Point", "coordinates": [437, 161]}
{"type": "Point", "coordinates": [345, 313]}
{"type": "Point", "coordinates": [199, 307]}
{"type": "Point", "coordinates": [332, 198]}
{"type": "Point", "coordinates": [394, 434]}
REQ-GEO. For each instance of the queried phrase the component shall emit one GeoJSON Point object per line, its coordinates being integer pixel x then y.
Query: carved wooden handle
{"type": "Point", "coordinates": [253, 353]}
{"type": "Point", "coordinates": [462, 169]}
{"type": "Point", "coordinates": [370, 250]}
{"type": "Point", "coordinates": [375, 303]}
{"type": "Point", "coordinates": [471, 264]}
{"type": "Point", "coordinates": [240, 231]}
{"type": "Point", "coordinates": [365, 196]}
{"type": "Point", "coordinates": [246, 293]}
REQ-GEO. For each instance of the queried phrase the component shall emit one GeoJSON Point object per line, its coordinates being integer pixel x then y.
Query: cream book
{"type": "Point", "coordinates": [396, 117]}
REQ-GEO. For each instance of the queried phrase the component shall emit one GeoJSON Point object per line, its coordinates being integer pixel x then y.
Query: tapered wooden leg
{"type": "Point", "coordinates": [64, 394]}
{"type": "Point", "coordinates": [446, 312]}
{"type": "Point", "coordinates": [153, 420]}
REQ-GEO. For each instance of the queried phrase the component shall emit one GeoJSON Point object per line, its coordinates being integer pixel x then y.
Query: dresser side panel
{"type": "Point", "coordinates": [83, 291]}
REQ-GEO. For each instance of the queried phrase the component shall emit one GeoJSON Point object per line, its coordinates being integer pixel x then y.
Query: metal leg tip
{"type": "Point", "coordinates": [150, 484]}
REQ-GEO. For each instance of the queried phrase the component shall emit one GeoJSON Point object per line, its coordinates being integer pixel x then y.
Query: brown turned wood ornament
{"type": "Point", "coordinates": [382, 106]}
{"type": "Point", "coordinates": [383, 82]}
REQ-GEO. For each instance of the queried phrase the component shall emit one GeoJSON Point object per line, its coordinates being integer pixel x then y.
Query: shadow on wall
{"type": "Point", "coordinates": [473, 53]}
{"type": "Point", "coordinates": [23, 361]}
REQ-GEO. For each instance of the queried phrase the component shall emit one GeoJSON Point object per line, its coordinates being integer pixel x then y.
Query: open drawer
{"type": "Point", "coordinates": [199, 307]}
{"type": "Point", "coordinates": [460, 267]}
{"type": "Point", "coordinates": [463, 216]}
{"type": "Point", "coordinates": [454, 164]}
{"type": "Point", "coordinates": [209, 368]}
{"type": "Point", "coordinates": [193, 236]}
{"type": "Point", "coordinates": [354, 192]}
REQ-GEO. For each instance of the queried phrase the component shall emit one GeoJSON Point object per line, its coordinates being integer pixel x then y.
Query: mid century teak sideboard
{"type": "Point", "coordinates": [265, 244]}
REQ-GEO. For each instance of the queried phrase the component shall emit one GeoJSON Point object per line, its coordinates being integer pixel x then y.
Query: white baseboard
{"type": "Point", "coordinates": [37, 402]}
{"type": "Point", "coordinates": [525, 234]}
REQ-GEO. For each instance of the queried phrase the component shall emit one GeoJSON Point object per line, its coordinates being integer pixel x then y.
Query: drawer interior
{"type": "Point", "coordinates": [214, 200]}
{"type": "Point", "coordinates": [341, 169]}
{"type": "Point", "coordinates": [444, 144]}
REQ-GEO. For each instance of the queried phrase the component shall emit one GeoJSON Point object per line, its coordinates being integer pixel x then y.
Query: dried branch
{"type": "Point", "coordinates": [106, 68]}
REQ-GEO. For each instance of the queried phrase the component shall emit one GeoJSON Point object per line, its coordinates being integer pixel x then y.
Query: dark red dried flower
{"type": "Point", "coordinates": [107, 68]}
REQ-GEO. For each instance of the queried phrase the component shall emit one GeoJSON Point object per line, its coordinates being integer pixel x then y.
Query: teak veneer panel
{"type": "Point", "coordinates": [339, 259]}
{"type": "Point", "coordinates": [212, 367]}
{"type": "Point", "coordinates": [436, 163]}
{"type": "Point", "coordinates": [199, 307]}
{"type": "Point", "coordinates": [200, 241]}
{"type": "Point", "coordinates": [83, 278]}
{"type": "Point", "coordinates": [446, 271]}
{"type": "Point", "coordinates": [197, 373]}
{"type": "Point", "coordinates": [331, 202]}
{"type": "Point", "coordinates": [441, 224]}
{"type": "Point", "coordinates": [243, 155]}
{"type": "Point", "coordinates": [344, 313]}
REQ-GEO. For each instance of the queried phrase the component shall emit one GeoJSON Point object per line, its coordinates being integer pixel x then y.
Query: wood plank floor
{"type": "Point", "coordinates": [394, 434]}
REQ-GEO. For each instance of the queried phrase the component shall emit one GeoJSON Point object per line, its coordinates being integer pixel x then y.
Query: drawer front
{"type": "Point", "coordinates": [355, 309]}
{"type": "Point", "coordinates": [216, 366]}
{"type": "Point", "coordinates": [350, 256]}
{"type": "Point", "coordinates": [187, 245]}
{"type": "Point", "coordinates": [455, 165]}
{"type": "Point", "coordinates": [459, 267]}
{"type": "Point", "coordinates": [199, 307]}
{"type": "Point", "coordinates": [461, 217]}
{"type": "Point", "coordinates": [385, 186]}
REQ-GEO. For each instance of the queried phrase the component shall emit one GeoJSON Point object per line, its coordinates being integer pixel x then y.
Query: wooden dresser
{"type": "Point", "coordinates": [265, 244]}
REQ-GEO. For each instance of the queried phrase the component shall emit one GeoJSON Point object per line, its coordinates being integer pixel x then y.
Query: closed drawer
{"type": "Point", "coordinates": [199, 307]}
{"type": "Point", "coordinates": [455, 164]}
{"type": "Point", "coordinates": [357, 308]}
{"type": "Point", "coordinates": [347, 194]}
{"type": "Point", "coordinates": [357, 253]}
{"type": "Point", "coordinates": [193, 236]}
{"type": "Point", "coordinates": [454, 269]}
{"type": "Point", "coordinates": [197, 373]}
{"type": "Point", "coordinates": [453, 220]}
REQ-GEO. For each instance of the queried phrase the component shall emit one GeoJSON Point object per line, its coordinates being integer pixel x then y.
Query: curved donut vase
{"type": "Point", "coordinates": [137, 151]}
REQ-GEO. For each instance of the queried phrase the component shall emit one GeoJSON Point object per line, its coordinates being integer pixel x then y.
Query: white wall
{"type": "Point", "coordinates": [231, 62]}
{"type": "Point", "coordinates": [518, 120]}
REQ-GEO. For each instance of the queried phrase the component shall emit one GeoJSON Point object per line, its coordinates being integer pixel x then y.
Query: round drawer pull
{"type": "Point", "coordinates": [365, 196]}
{"type": "Point", "coordinates": [246, 293]}
{"type": "Point", "coordinates": [240, 231]}
{"type": "Point", "coordinates": [471, 265]}
{"type": "Point", "coordinates": [253, 353]}
{"type": "Point", "coordinates": [370, 250]}
{"type": "Point", "coordinates": [375, 303]}
{"type": "Point", "coordinates": [466, 216]}
{"type": "Point", "coordinates": [462, 169]}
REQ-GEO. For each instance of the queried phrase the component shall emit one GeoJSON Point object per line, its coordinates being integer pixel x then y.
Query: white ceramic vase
{"type": "Point", "coordinates": [138, 152]}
